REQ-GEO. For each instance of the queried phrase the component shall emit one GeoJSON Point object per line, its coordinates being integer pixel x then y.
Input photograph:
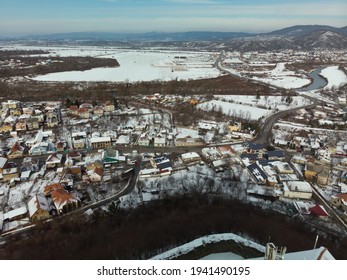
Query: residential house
{"type": "Point", "coordinates": [123, 140]}
{"type": "Point", "coordinates": [60, 146]}
{"type": "Point", "coordinates": [28, 111]}
{"type": "Point", "coordinates": [189, 142]}
{"type": "Point", "coordinates": [319, 211]}
{"type": "Point", "coordinates": [110, 156]}
{"type": "Point", "coordinates": [98, 110]}
{"type": "Point", "coordinates": [340, 201]}
{"type": "Point", "coordinates": [74, 171]}
{"type": "Point", "coordinates": [94, 164]}
{"type": "Point", "coordinates": [39, 116]}
{"type": "Point", "coordinates": [68, 161]}
{"type": "Point", "coordinates": [11, 104]}
{"type": "Point", "coordinates": [52, 119]}
{"type": "Point", "coordinates": [21, 125]}
{"type": "Point", "coordinates": [73, 110]}
{"type": "Point", "coordinates": [161, 163]}
{"type": "Point", "coordinates": [297, 190]}
{"type": "Point", "coordinates": [87, 106]}
{"type": "Point", "coordinates": [95, 175]}
{"type": "Point", "coordinates": [39, 149]}
{"type": "Point", "coordinates": [234, 126]}
{"type": "Point", "coordinates": [299, 160]}
{"type": "Point", "coordinates": [16, 151]}
{"type": "Point", "coordinates": [74, 155]}
{"type": "Point", "coordinates": [79, 140]}
{"type": "Point", "coordinates": [317, 173]}
{"type": "Point", "coordinates": [3, 164]}
{"type": "Point", "coordinates": [255, 147]}
{"type": "Point", "coordinates": [257, 173]}
{"type": "Point", "coordinates": [39, 207]}
{"type": "Point", "coordinates": [16, 214]}
{"type": "Point", "coordinates": [275, 155]}
{"type": "Point", "coordinates": [283, 167]}
{"type": "Point", "coordinates": [16, 112]}
{"type": "Point", "coordinates": [25, 175]}
{"type": "Point", "coordinates": [109, 106]}
{"type": "Point", "coordinates": [6, 127]}
{"type": "Point", "coordinates": [10, 172]}
{"type": "Point", "coordinates": [143, 140]}
{"type": "Point", "coordinates": [64, 201]}
{"type": "Point", "coordinates": [100, 142]}
{"type": "Point", "coordinates": [54, 160]}
{"type": "Point", "coordinates": [159, 141]}
{"type": "Point", "coordinates": [33, 124]}
{"type": "Point", "coordinates": [189, 158]}
{"type": "Point", "coordinates": [83, 113]}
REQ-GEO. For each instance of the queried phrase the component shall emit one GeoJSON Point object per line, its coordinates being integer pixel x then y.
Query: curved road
{"type": "Point", "coordinates": [265, 133]}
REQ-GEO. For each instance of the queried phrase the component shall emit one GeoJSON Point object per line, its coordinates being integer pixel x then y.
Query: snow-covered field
{"type": "Point", "coordinates": [268, 102]}
{"type": "Point", "coordinates": [235, 110]}
{"type": "Point", "coordinates": [137, 65]}
{"type": "Point", "coordinates": [282, 77]}
{"type": "Point", "coordinates": [251, 107]}
{"type": "Point", "coordinates": [336, 77]}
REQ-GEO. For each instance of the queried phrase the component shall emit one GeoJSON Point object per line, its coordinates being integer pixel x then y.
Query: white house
{"type": "Point", "coordinates": [297, 189]}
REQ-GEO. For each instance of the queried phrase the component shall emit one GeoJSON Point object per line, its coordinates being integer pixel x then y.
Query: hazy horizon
{"type": "Point", "coordinates": [20, 17]}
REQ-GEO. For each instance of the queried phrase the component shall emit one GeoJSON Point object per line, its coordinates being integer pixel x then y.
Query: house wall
{"type": "Point", "coordinates": [310, 175]}
{"type": "Point", "coordinates": [40, 214]}
{"type": "Point", "coordinates": [101, 145]}
{"type": "Point", "coordinates": [78, 145]}
{"type": "Point", "coordinates": [298, 195]}
{"type": "Point", "coordinates": [322, 180]}
{"type": "Point", "coordinates": [337, 202]}
{"type": "Point", "coordinates": [8, 177]}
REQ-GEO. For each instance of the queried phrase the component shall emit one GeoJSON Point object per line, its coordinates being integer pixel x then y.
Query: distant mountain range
{"type": "Point", "coordinates": [299, 37]}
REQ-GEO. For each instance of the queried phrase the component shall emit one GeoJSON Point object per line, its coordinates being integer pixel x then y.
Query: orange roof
{"type": "Point", "coordinates": [73, 107]}
{"type": "Point", "coordinates": [52, 187]}
{"type": "Point", "coordinates": [83, 110]}
{"type": "Point", "coordinates": [61, 197]}
{"type": "Point", "coordinates": [98, 171]}
{"type": "Point", "coordinates": [343, 196]}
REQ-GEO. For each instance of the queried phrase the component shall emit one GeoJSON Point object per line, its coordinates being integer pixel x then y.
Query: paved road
{"type": "Point", "coordinates": [265, 133]}
{"type": "Point", "coordinates": [25, 232]}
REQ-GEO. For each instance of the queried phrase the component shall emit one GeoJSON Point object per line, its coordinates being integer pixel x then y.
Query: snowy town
{"type": "Point", "coordinates": [285, 150]}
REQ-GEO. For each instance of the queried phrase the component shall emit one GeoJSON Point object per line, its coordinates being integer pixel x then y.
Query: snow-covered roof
{"type": "Point", "coordinates": [123, 139]}
{"type": "Point", "coordinates": [148, 171]}
{"type": "Point", "coordinates": [159, 140]}
{"type": "Point", "coordinates": [298, 186]}
{"type": "Point", "coordinates": [25, 175]}
{"type": "Point", "coordinates": [100, 139]}
{"type": "Point", "coordinates": [37, 202]}
{"type": "Point", "coordinates": [191, 155]}
{"type": "Point", "coordinates": [80, 134]}
{"type": "Point", "coordinates": [321, 253]}
{"type": "Point", "coordinates": [54, 158]}
{"type": "Point", "coordinates": [15, 213]}
{"type": "Point", "coordinates": [61, 197]}
{"type": "Point", "coordinates": [3, 161]}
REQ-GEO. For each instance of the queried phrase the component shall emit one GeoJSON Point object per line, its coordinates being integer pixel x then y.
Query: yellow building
{"type": "Point", "coordinates": [234, 126]}
{"type": "Point", "coordinates": [317, 173]}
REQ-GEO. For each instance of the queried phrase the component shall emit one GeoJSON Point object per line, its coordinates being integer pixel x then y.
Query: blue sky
{"type": "Point", "coordinates": [20, 17]}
